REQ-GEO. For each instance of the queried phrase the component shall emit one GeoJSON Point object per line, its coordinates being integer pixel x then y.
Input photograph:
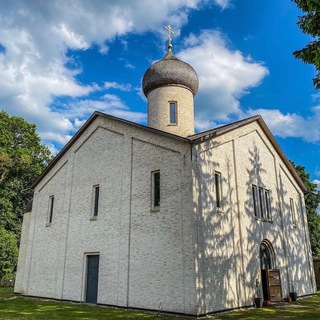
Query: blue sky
{"type": "Point", "coordinates": [62, 60]}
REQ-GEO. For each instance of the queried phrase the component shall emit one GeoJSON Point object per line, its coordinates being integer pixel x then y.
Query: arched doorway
{"type": "Point", "coordinates": [267, 256]}
{"type": "Point", "coordinates": [270, 275]}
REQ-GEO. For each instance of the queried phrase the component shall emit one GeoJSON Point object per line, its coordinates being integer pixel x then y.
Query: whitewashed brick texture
{"type": "Point", "coordinates": [188, 257]}
{"type": "Point", "coordinates": [158, 110]}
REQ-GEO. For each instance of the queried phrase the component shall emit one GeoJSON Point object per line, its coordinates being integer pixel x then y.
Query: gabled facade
{"type": "Point", "coordinates": [155, 218]}
{"type": "Point", "coordinates": [254, 222]}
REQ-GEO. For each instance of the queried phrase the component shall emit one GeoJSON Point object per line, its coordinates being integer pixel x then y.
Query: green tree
{"type": "Point", "coordinates": [312, 200]}
{"type": "Point", "coordinates": [22, 159]}
{"type": "Point", "coordinates": [8, 252]}
{"type": "Point", "coordinates": [310, 24]}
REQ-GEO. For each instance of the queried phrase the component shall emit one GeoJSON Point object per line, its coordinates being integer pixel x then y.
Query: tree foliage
{"type": "Point", "coordinates": [22, 159]}
{"type": "Point", "coordinates": [8, 252]}
{"type": "Point", "coordinates": [312, 201]}
{"type": "Point", "coordinates": [310, 24]}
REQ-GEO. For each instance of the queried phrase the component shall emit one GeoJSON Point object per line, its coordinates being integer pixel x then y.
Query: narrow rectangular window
{"type": "Point", "coordinates": [173, 112]}
{"type": "Point", "coordinates": [156, 189]}
{"type": "Point", "coordinates": [293, 213]}
{"type": "Point", "coordinates": [96, 200]}
{"type": "Point", "coordinates": [268, 205]}
{"type": "Point", "coordinates": [261, 201]}
{"type": "Point", "coordinates": [51, 202]}
{"type": "Point", "coordinates": [217, 182]}
{"type": "Point", "coordinates": [255, 201]}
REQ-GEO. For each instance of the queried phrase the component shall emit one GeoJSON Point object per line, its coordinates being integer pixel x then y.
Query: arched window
{"type": "Point", "coordinates": [267, 257]}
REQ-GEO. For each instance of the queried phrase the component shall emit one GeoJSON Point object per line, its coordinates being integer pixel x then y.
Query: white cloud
{"type": "Point", "coordinates": [223, 3]}
{"type": "Point", "coordinates": [129, 65]}
{"type": "Point", "coordinates": [317, 182]}
{"type": "Point", "coordinates": [52, 148]}
{"type": "Point", "coordinates": [119, 86]}
{"type": "Point", "coordinates": [78, 123]}
{"type": "Point", "coordinates": [59, 138]}
{"type": "Point", "coordinates": [204, 124]}
{"type": "Point", "coordinates": [225, 75]}
{"type": "Point", "coordinates": [35, 37]}
{"type": "Point", "coordinates": [110, 104]}
{"type": "Point", "coordinates": [291, 124]}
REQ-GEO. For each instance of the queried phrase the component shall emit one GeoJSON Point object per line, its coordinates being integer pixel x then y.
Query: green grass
{"type": "Point", "coordinates": [17, 307]}
{"type": "Point", "coordinates": [303, 309]}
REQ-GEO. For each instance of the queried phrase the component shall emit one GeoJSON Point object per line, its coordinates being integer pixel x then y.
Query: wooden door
{"type": "Point", "coordinates": [271, 281]}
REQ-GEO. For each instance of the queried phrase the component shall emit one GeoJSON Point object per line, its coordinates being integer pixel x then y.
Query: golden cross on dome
{"type": "Point", "coordinates": [170, 31]}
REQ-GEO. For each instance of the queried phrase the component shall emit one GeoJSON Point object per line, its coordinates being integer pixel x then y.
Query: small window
{"type": "Point", "coordinates": [156, 190]}
{"type": "Point", "coordinates": [173, 112]}
{"type": "Point", "coordinates": [268, 204]}
{"type": "Point", "coordinates": [218, 189]}
{"type": "Point", "coordinates": [261, 201]}
{"type": "Point", "coordinates": [255, 201]}
{"type": "Point", "coordinates": [95, 200]}
{"type": "Point", "coordinates": [293, 213]}
{"type": "Point", "coordinates": [51, 202]}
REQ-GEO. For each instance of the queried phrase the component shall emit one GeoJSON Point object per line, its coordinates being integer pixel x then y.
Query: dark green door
{"type": "Point", "coordinates": [92, 279]}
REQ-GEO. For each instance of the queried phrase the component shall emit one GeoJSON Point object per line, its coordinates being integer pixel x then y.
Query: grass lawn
{"type": "Point", "coordinates": [16, 307]}
{"type": "Point", "coordinates": [303, 309]}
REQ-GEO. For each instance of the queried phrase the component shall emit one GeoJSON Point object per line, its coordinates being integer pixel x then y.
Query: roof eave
{"type": "Point", "coordinates": [95, 115]}
{"type": "Point", "coordinates": [230, 127]}
{"type": "Point", "coordinates": [202, 137]}
{"type": "Point", "coordinates": [286, 161]}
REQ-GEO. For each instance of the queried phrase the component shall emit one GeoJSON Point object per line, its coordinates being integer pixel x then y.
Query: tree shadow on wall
{"type": "Point", "coordinates": [295, 242]}
{"type": "Point", "coordinates": [228, 243]}
{"type": "Point", "coordinates": [215, 258]}
{"type": "Point", "coordinates": [258, 228]}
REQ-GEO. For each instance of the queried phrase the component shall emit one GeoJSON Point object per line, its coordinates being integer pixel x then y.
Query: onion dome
{"type": "Point", "coordinates": [170, 71]}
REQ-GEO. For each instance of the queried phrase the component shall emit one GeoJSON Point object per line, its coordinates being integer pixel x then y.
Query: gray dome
{"type": "Point", "coordinates": [170, 71]}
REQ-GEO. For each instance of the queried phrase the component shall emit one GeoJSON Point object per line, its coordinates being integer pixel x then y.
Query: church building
{"type": "Point", "coordinates": [157, 217]}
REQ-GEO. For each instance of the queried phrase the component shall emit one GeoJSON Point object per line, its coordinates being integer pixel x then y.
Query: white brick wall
{"type": "Point", "coordinates": [188, 257]}
{"type": "Point", "coordinates": [22, 259]}
{"type": "Point", "coordinates": [159, 244]}
{"type": "Point", "coordinates": [229, 257]}
{"type": "Point", "coordinates": [158, 110]}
